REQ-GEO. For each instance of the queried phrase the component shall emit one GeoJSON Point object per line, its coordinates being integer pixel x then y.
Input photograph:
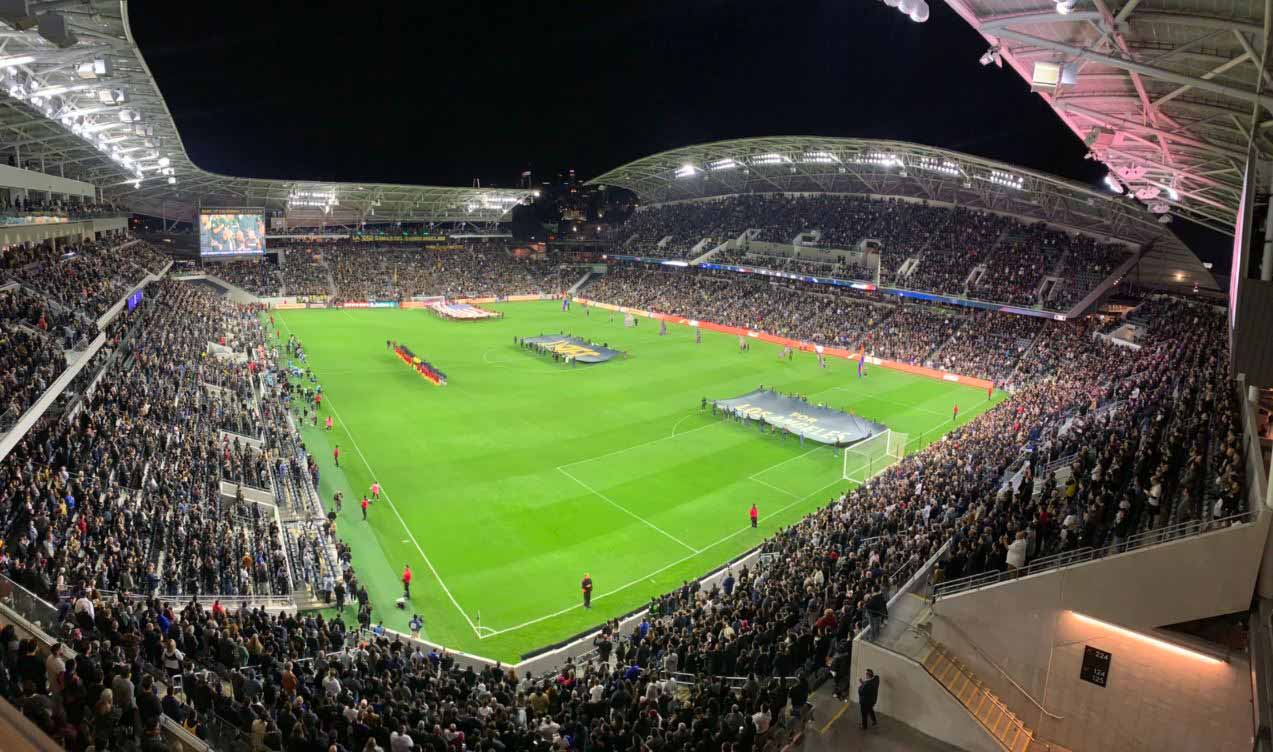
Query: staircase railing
{"type": "Point", "coordinates": [993, 715]}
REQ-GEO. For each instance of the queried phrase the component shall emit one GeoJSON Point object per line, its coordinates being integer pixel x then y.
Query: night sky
{"type": "Point", "coordinates": [444, 92]}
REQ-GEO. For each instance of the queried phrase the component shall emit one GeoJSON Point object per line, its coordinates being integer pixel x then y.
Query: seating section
{"type": "Point", "coordinates": [112, 508]}
{"type": "Point", "coordinates": [127, 494]}
{"type": "Point", "coordinates": [392, 272]}
{"type": "Point", "coordinates": [947, 243]}
{"type": "Point", "coordinates": [258, 276]}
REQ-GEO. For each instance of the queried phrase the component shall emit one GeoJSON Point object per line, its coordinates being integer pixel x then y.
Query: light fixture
{"type": "Point", "coordinates": [1173, 194]}
{"type": "Point", "coordinates": [1065, 7]}
{"type": "Point", "coordinates": [991, 56]}
{"type": "Point", "coordinates": [164, 161]}
{"type": "Point", "coordinates": [171, 180]}
{"type": "Point", "coordinates": [916, 9]}
{"type": "Point", "coordinates": [93, 69]}
{"type": "Point", "coordinates": [686, 170]}
{"type": "Point", "coordinates": [1163, 644]}
{"type": "Point", "coordinates": [1112, 183]}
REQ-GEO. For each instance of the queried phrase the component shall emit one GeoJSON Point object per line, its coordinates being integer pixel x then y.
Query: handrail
{"type": "Point", "coordinates": [1140, 540]}
{"type": "Point", "coordinates": [986, 694]}
{"type": "Point", "coordinates": [996, 667]}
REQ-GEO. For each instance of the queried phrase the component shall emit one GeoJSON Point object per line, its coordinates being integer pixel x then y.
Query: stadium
{"type": "Point", "coordinates": [750, 443]}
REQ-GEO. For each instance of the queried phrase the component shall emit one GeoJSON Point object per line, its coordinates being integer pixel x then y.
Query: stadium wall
{"type": "Point", "coordinates": [910, 695]}
{"type": "Point", "coordinates": [1025, 639]}
{"type": "Point", "coordinates": [837, 352]}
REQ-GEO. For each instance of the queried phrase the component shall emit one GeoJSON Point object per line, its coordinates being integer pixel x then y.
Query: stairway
{"type": "Point", "coordinates": [988, 709]}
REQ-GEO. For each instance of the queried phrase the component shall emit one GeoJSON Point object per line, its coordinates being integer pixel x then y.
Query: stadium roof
{"type": "Point", "coordinates": [814, 164]}
{"type": "Point", "coordinates": [1167, 93]}
{"type": "Point", "coordinates": [78, 97]}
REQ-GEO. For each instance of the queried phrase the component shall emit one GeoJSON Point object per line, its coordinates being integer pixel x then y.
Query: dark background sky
{"type": "Point", "coordinates": [443, 92]}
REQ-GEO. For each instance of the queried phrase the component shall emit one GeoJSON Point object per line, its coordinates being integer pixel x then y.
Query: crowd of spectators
{"type": "Point", "coordinates": [258, 275]}
{"type": "Point", "coordinates": [72, 210]}
{"type": "Point", "coordinates": [989, 345]}
{"type": "Point", "coordinates": [912, 333]}
{"type": "Point", "coordinates": [367, 271]}
{"type": "Point", "coordinates": [88, 277]}
{"type": "Point", "coordinates": [789, 309]}
{"type": "Point", "coordinates": [966, 240]}
{"type": "Point", "coordinates": [124, 492]}
{"type": "Point", "coordinates": [1083, 264]}
{"type": "Point", "coordinates": [948, 243]}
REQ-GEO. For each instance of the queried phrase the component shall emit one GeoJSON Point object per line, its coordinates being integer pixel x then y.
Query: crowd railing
{"type": "Point", "coordinates": [1086, 554]}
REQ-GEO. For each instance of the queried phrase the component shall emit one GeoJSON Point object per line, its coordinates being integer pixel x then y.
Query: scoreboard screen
{"type": "Point", "coordinates": [231, 232]}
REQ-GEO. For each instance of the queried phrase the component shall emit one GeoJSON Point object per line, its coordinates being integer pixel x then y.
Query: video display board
{"type": "Point", "coordinates": [225, 232]}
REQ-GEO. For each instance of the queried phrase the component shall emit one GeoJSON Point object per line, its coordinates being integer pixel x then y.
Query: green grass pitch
{"type": "Point", "coordinates": [504, 487]}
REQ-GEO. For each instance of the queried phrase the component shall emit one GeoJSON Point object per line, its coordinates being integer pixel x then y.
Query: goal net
{"type": "Point", "coordinates": [865, 459]}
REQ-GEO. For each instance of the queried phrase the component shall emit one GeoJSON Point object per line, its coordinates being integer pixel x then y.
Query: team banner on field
{"type": "Point", "coordinates": [572, 347]}
{"type": "Point", "coordinates": [462, 311]}
{"type": "Point", "coordinates": [814, 422]}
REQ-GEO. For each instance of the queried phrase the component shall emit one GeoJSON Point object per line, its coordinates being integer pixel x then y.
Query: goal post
{"type": "Point", "coordinates": [868, 457]}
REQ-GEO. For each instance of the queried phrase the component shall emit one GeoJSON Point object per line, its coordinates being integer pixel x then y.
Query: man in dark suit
{"type": "Point", "coordinates": [868, 691]}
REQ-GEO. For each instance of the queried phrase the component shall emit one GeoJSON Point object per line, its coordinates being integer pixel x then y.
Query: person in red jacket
{"type": "Point", "coordinates": [336, 455]}
{"type": "Point", "coordinates": [955, 416]}
{"type": "Point", "coordinates": [406, 580]}
{"type": "Point", "coordinates": [364, 508]}
{"type": "Point", "coordinates": [754, 514]}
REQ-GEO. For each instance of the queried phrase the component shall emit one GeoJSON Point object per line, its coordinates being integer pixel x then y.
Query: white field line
{"type": "Point", "coordinates": [384, 492]}
{"type": "Point", "coordinates": [678, 423]}
{"type": "Point", "coordinates": [627, 511]}
{"type": "Point", "coordinates": [411, 535]}
{"type": "Point", "coordinates": [776, 488]}
{"type": "Point", "coordinates": [637, 446]}
{"type": "Point", "coordinates": [892, 402]}
{"type": "Point", "coordinates": [660, 570]}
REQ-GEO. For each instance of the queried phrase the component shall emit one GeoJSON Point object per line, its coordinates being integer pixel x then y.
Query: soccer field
{"type": "Point", "coordinates": [504, 487]}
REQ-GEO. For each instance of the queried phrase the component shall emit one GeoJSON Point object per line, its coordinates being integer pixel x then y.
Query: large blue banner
{"type": "Point", "coordinates": [816, 422]}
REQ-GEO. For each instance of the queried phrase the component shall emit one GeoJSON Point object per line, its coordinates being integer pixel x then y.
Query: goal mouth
{"type": "Point", "coordinates": [873, 455]}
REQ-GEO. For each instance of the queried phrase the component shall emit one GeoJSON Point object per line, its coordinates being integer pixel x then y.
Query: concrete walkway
{"type": "Point", "coordinates": [837, 727]}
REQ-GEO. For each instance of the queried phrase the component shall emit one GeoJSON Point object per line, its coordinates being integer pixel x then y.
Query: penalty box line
{"type": "Point", "coordinates": [625, 510]}
{"type": "Point", "coordinates": [384, 492]}
{"type": "Point", "coordinates": [658, 571]}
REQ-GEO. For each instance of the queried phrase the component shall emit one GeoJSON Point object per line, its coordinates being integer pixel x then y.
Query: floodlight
{"type": "Point", "coordinates": [164, 161]}
{"type": "Point", "coordinates": [920, 14]}
{"type": "Point", "coordinates": [908, 6]}
{"type": "Point", "coordinates": [1112, 183]}
{"type": "Point", "coordinates": [111, 96]}
{"type": "Point", "coordinates": [94, 69]}
{"type": "Point", "coordinates": [171, 180]}
{"type": "Point", "coordinates": [1173, 194]}
{"type": "Point", "coordinates": [1065, 7]}
{"type": "Point", "coordinates": [991, 56]}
